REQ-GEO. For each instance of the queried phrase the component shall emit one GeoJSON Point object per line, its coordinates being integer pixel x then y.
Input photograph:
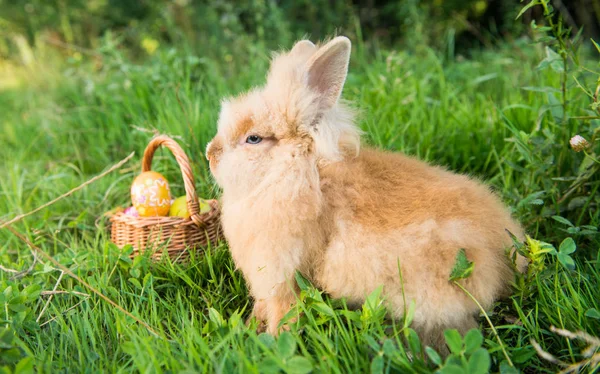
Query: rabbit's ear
{"type": "Point", "coordinates": [303, 47]}
{"type": "Point", "coordinates": [327, 69]}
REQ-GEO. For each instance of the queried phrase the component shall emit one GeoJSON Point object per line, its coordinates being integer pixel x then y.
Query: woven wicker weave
{"type": "Point", "coordinates": [178, 235]}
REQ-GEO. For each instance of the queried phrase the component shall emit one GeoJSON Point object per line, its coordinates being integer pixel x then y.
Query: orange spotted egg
{"type": "Point", "coordinates": [150, 194]}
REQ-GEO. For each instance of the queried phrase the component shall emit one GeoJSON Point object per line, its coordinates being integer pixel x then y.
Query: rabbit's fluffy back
{"type": "Point", "coordinates": [306, 199]}
{"type": "Point", "coordinates": [395, 216]}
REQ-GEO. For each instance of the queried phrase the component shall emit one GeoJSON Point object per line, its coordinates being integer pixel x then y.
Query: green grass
{"type": "Point", "coordinates": [68, 119]}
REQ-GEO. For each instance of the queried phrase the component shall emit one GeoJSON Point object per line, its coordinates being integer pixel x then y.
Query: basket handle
{"type": "Point", "coordinates": [186, 172]}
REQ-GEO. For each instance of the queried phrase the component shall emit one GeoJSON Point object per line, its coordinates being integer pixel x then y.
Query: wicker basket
{"type": "Point", "coordinates": [178, 235]}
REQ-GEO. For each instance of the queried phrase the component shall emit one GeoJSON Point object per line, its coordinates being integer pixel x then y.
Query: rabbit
{"type": "Point", "coordinates": [301, 193]}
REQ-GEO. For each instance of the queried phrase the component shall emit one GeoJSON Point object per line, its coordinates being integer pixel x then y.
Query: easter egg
{"type": "Point", "coordinates": [131, 211]}
{"type": "Point", "coordinates": [179, 207]}
{"type": "Point", "coordinates": [204, 206]}
{"type": "Point", "coordinates": [150, 194]}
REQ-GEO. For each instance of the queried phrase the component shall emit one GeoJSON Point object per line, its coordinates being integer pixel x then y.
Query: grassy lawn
{"type": "Point", "coordinates": [68, 115]}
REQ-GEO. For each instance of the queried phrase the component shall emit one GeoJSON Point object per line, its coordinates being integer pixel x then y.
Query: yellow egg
{"type": "Point", "coordinates": [150, 194]}
{"type": "Point", "coordinates": [179, 207]}
{"type": "Point", "coordinates": [204, 206]}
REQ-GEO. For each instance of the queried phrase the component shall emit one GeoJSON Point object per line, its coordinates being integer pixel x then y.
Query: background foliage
{"type": "Point", "coordinates": [471, 23]}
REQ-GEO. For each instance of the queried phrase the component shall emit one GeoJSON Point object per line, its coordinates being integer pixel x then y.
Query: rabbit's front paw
{"type": "Point", "coordinates": [259, 311]}
{"type": "Point", "coordinates": [277, 308]}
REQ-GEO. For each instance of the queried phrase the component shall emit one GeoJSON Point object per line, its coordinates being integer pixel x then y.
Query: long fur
{"type": "Point", "coordinates": [309, 198]}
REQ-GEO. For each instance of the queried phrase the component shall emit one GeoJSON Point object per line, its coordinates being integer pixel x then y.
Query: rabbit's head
{"type": "Point", "coordinates": [294, 119]}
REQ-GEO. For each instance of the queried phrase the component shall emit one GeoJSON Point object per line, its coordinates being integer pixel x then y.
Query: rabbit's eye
{"type": "Point", "coordinates": [253, 139]}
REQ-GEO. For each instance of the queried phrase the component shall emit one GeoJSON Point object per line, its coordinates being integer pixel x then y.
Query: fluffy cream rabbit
{"type": "Point", "coordinates": [299, 193]}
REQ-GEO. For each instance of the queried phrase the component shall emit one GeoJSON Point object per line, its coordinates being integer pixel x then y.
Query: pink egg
{"type": "Point", "coordinates": [131, 211]}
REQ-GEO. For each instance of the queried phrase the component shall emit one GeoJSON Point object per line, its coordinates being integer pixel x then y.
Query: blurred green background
{"type": "Point", "coordinates": [459, 24]}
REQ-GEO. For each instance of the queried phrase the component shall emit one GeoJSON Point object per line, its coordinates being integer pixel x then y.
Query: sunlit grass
{"type": "Point", "coordinates": [65, 120]}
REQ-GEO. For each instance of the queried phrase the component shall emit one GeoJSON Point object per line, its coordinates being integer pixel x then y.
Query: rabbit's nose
{"type": "Point", "coordinates": [207, 154]}
{"type": "Point", "coordinates": [213, 150]}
